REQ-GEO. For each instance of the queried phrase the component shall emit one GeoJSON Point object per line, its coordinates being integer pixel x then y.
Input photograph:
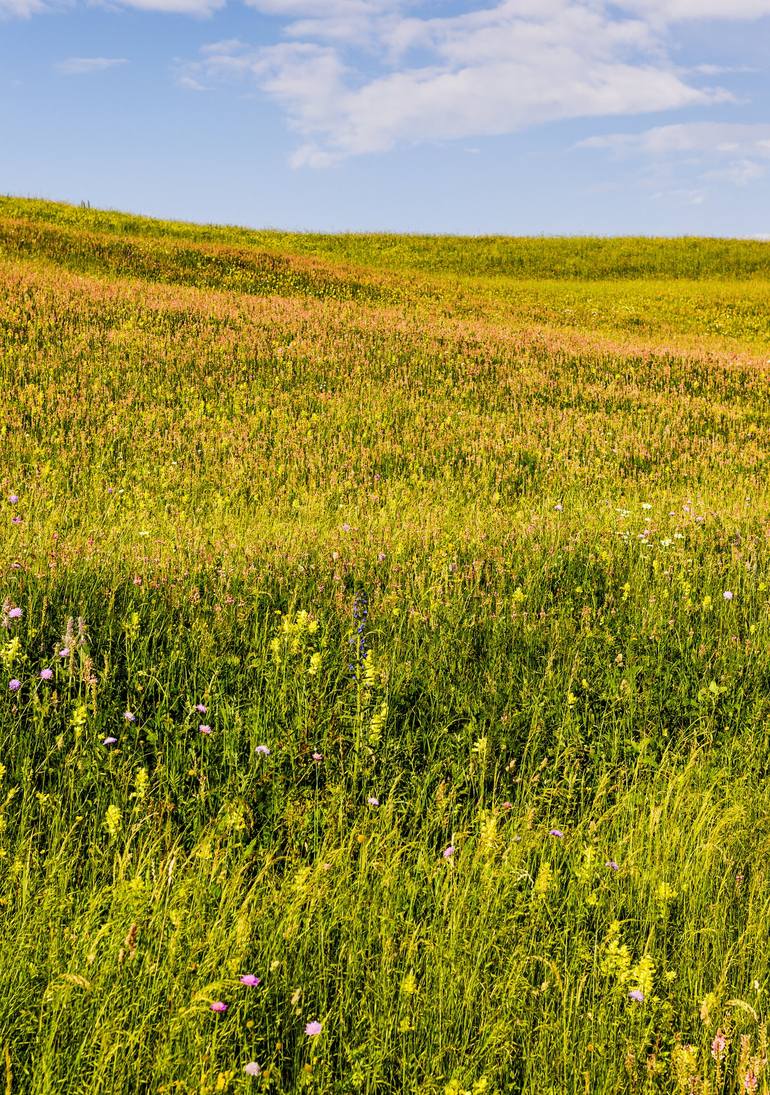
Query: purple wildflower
{"type": "Point", "coordinates": [13, 499]}
{"type": "Point", "coordinates": [16, 520]}
{"type": "Point", "coordinates": [637, 995]}
{"type": "Point", "coordinates": [556, 832]}
{"type": "Point", "coordinates": [252, 1069]}
{"type": "Point", "coordinates": [612, 865]}
{"type": "Point", "coordinates": [201, 708]}
{"type": "Point", "coordinates": [46, 674]}
{"type": "Point", "coordinates": [14, 685]}
{"type": "Point", "coordinates": [203, 729]}
{"type": "Point", "coordinates": [109, 741]}
{"type": "Point", "coordinates": [250, 979]}
{"type": "Point", "coordinates": [219, 1006]}
{"type": "Point", "coordinates": [15, 614]}
{"type": "Point", "coordinates": [262, 750]}
{"type": "Point", "coordinates": [64, 652]}
{"type": "Point", "coordinates": [313, 1028]}
{"type": "Point", "coordinates": [129, 716]}
{"type": "Point", "coordinates": [448, 852]}
{"type": "Point", "coordinates": [373, 801]}
{"type": "Point", "coordinates": [728, 595]}
{"type": "Point", "coordinates": [317, 757]}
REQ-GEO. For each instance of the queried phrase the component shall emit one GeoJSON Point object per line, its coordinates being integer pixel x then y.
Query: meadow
{"type": "Point", "coordinates": [384, 682]}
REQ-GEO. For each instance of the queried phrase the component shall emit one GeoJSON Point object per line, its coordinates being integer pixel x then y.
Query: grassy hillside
{"type": "Point", "coordinates": [394, 634]}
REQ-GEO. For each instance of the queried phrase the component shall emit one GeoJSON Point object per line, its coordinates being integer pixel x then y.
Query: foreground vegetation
{"type": "Point", "coordinates": [384, 694]}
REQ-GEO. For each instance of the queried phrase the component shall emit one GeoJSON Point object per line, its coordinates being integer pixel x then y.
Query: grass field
{"type": "Point", "coordinates": [384, 693]}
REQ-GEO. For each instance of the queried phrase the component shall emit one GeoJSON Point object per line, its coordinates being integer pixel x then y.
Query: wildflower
{"type": "Point", "coordinates": [373, 801]}
{"type": "Point", "coordinates": [129, 716]}
{"type": "Point", "coordinates": [719, 1045]}
{"type": "Point", "coordinates": [507, 805]}
{"type": "Point", "coordinates": [15, 614]}
{"type": "Point", "coordinates": [203, 729]}
{"type": "Point", "coordinates": [13, 499]}
{"type": "Point", "coordinates": [750, 1082]}
{"type": "Point", "coordinates": [219, 1006]}
{"type": "Point", "coordinates": [556, 832]}
{"type": "Point", "coordinates": [250, 980]}
{"type": "Point", "coordinates": [46, 674]}
{"type": "Point", "coordinates": [313, 1028]}
{"type": "Point", "coordinates": [14, 685]}
{"type": "Point", "coordinates": [637, 995]}
{"type": "Point", "coordinates": [612, 865]}
{"type": "Point", "coordinates": [201, 708]}
{"type": "Point", "coordinates": [252, 1069]}
{"type": "Point", "coordinates": [448, 852]}
{"type": "Point", "coordinates": [64, 652]}
{"type": "Point", "coordinates": [262, 750]}
{"type": "Point", "coordinates": [558, 507]}
{"type": "Point", "coordinates": [728, 596]}
{"type": "Point", "coordinates": [317, 757]}
{"type": "Point", "coordinates": [16, 520]}
{"type": "Point", "coordinates": [109, 741]}
{"type": "Point", "coordinates": [646, 505]}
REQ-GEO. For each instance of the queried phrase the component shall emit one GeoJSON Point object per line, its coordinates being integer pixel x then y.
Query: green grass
{"type": "Point", "coordinates": [466, 538]}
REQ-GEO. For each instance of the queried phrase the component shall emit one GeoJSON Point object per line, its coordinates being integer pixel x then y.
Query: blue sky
{"type": "Point", "coordinates": [510, 116]}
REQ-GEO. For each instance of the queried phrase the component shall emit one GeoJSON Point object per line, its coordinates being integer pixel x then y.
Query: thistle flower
{"type": "Point", "coordinates": [15, 614]}
{"type": "Point", "coordinates": [203, 729]}
{"type": "Point", "coordinates": [313, 1028]}
{"type": "Point", "coordinates": [14, 685]}
{"type": "Point", "coordinates": [46, 674]}
{"type": "Point", "coordinates": [250, 979]}
{"type": "Point", "coordinates": [219, 1006]}
{"type": "Point", "coordinates": [556, 832]}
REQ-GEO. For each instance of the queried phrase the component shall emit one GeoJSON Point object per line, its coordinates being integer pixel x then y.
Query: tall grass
{"type": "Point", "coordinates": [403, 651]}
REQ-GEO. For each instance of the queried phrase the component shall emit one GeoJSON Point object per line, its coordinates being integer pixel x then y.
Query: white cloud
{"type": "Point", "coordinates": [675, 10]}
{"type": "Point", "coordinates": [82, 66]}
{"type": "Point", "coordinates": [721, 151]}
{"type": "Point", "coordinates": [485, 72]}
{"type": "Point", "coordinates": [201, 9]}
{"type": "Point", "coordinates": [20, 9]}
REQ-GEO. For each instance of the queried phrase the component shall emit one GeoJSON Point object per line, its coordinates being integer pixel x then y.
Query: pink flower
{"type": "Point", "coordinates": [203, 729]}
{"type": "Point", "coordinates": [15, 614]}
{"type": "Point", "coordinates": [64, 652]}
{"type": "Point", "coordinates": [556, 832]}
{"type": "Point", "coordinates": [252, 1069]}
{"type": "Point", "coordinates": [129, 716]}
{"type": "Point", "coordinates": [313, 1028]}
{"type": "Point", "coordinates": [719, 1045]}
{"type": "Point", "coordinates": [14, 685]}
{"type": "Point", "coordinates": [373, 801]}
{"type": "Point", "coordinates": [636, 995]}
{"type": "Point", "coordinates": [201, 708]}
{"type": "Point", "coordinates": [448, 852]}
{"type": "Point", "coordinates": [250, 979]}
{"type": "Point", "coordinates": [109, 741]}
{"type": "Point", "coordinates": [46, 674]}
{"type": "Point", "coordinates": [16, 520]}
{"type": "Point", "coordinates": [317, 757]}
{"type": "Point", "coordinates": [13, 499]}
{"type": "Point", "coordinates": [262, 750]}
{"type": "Point", "coordinates": [219, 1006]}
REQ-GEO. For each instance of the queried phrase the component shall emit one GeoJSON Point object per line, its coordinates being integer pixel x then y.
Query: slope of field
{"type": "Point", "coordinates": [384, 689]}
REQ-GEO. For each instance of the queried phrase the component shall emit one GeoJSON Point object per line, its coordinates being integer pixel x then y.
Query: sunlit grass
{"type": "Point", "coordinates": [397, 639]}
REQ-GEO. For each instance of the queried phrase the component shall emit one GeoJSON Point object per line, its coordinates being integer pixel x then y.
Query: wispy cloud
{"type": "Point", "coordinates": [361, 76]}
{"type": "Point", "coordinates": [723, 151]}
{"type": "Point", "coordinates": [84, 66]}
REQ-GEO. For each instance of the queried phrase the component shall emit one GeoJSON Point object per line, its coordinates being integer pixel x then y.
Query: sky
{"type": "Point", "coordinates": [501, 116]}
